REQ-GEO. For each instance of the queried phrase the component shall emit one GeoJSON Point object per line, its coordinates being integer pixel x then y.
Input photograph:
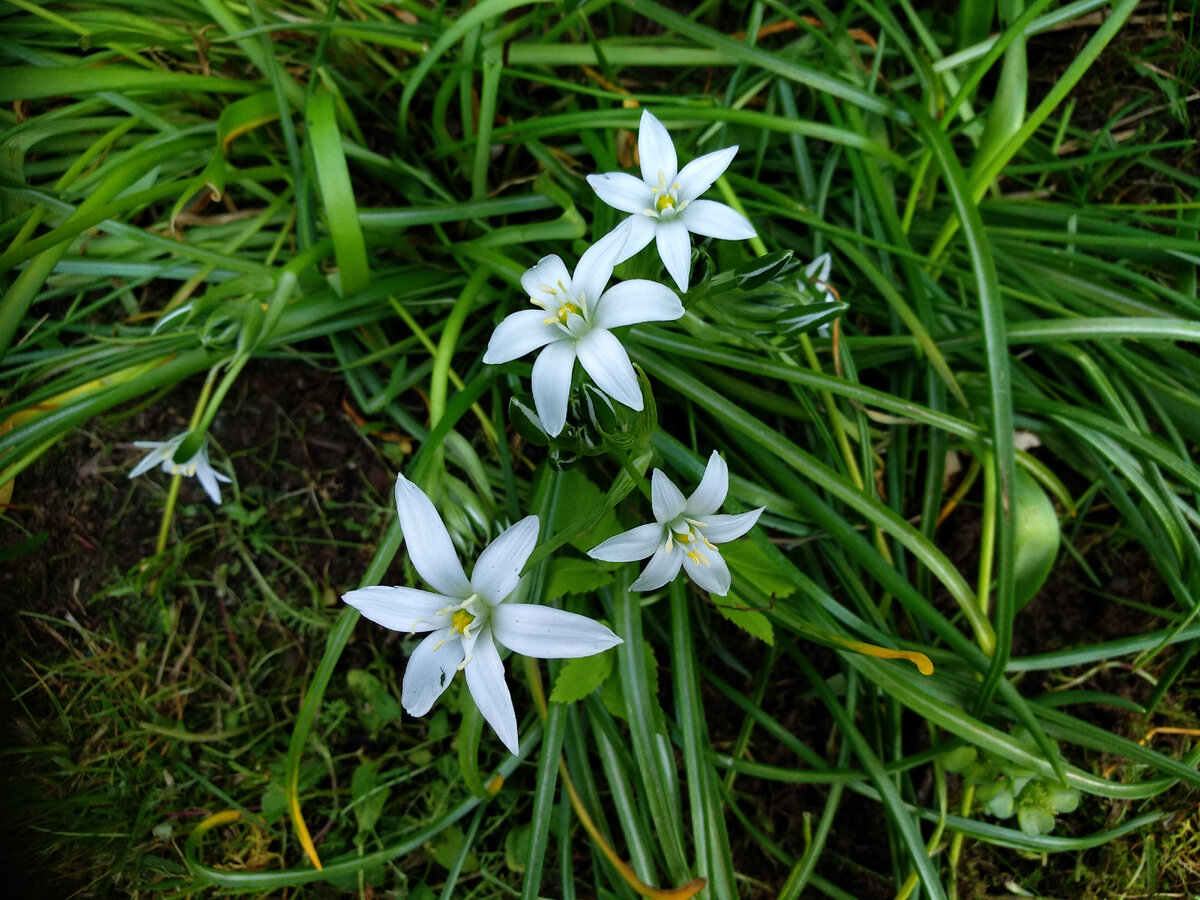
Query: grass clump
{"type": "Point", "coordinates": [289, 233]}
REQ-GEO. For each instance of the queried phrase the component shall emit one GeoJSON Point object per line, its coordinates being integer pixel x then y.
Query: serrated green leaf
{"type": "Point", "coordinates": [368, 797]}
{"type": "Point", "coordinates": [747, 560]}
{"type": "Point", "coordinates": [579, 677]}
{"type": "Point", "coordinates": [577, 493]}
{"type": "Point", "coordinates": [574, 576]}
{"type": "Point", "coordinates": [376, 707]}
{"type": "Point", "coordinates": [737, 611]}
{"type": "Point", "coordinates": [612, 697]}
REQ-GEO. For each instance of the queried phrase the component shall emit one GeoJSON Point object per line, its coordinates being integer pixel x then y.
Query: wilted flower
{"type": "Point", "coordinates": [574, 319]}
{"type": "Point", "coordinates": [198, 466]}
{"type": "Point", "coordinates": [664, 202]}
{"type": "Point", "coordinates": [468, 618]}
{"type": "Point", "coordinates": [684, 533]}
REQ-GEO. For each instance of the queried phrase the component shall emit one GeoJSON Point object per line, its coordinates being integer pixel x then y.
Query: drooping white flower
{"type": "Point", "coordinates": [574, 320]}
{"type": "Point", "coordinates": [198, 466]}
{"type": "Point", "coordinates": [467, 618]}
{"type": "Point", "coordinates": [684, 533]}
{"type": "Point", "coordinates": [664, 202]}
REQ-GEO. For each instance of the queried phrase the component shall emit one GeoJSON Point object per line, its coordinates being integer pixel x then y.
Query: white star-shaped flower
{"type": "Point", "coordinates": [816, 275]}
{"type": "Point", "coordinates": [684, 533]}
{"type": "Point", "coordinates": [574, 319]}
{"type": "Point", "coordinates": [664, 202]}
{"type": "Point", "coordinates": [198, 466]}
{"type": "Point", "coordinates": [469, 617]}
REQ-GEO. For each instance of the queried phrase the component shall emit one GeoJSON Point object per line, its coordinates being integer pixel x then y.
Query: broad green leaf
{"type": "Point", "coordinates": [1037, 537]}
{"type": "Point", "coordinates": [574, 576]}
{"type": "Point", "coordinates": [579, 677]}
{"type": "Point", "coordinates": [749, 620]}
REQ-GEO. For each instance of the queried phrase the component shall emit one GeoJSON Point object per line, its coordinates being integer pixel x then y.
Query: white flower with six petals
{"type": "Point", "coordinates": [574, 319]}
{"type": "Point", "coordinates": [468, 618]}
{"type": "Point", "coordinates": [664, 202]}
{"type": "Point", "coordinates": [197, 467]}
{"type": "Point", "coordinates": [684, 533]}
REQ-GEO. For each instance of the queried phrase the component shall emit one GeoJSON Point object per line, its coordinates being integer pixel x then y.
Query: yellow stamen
{"type": "Point", "coordinates": [461, 621]}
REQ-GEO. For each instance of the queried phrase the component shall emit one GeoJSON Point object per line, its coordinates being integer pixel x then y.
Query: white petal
{"type": "Point", "coordinates": [208, 481]}
{"type": "Point", "coordinates": [548, 273]}
{"type": "Point", "coordinates": [159, 452]}
{"type": "Point", "coordinates": [429, 545]}
{"type": "Point", "coordinates": [663, 567]}
{"type": "Point", "coordinates": [552, 384]}
{"type": "Point", "coordinates": [675, 248]}
{"type": "Point", "coordinates": [713, 577]}
{"type": "Point", "coordinates": [818, 269]}
{"type": "Point", "coordinates": [595, 267]}
{"type": "Point", "coordinates": [430, 670]}
{"type": "Point", "coordinates": [635, 301]}
{"type": "Point", "coordinates": [655, 151]}
{"type": "Point", "coordinates": [710, 493]}
{"type": "Point", "coordinates": [666, 499]}
{"type": "Point", "coordinates": [402, 609]}
{"type": "Point", "coordinates": [638, 231]}
{"type": "Point", "coordinates": [603, 357]}
{"type": "Point", "coordinates": [520, 333]}
{"type": "Point", "coordinates": [716, 220]}
{"type": "Point", "coordinates": [622, 191]}
{"type": "Point", "coordinates": [699, 175]}
{"type": "Point", "coordinates": [636, 543]}
{"type": "Point", "coordinates": [719, 529]}
{"type": "Point", "coordinates": [485, 678]}
{"type": "Point", "coordinates": [499, 566]}
{"type": "Point", "coordinates": [548, 633]}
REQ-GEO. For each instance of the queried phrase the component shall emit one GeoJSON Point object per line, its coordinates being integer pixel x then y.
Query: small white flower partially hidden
{"type": "Point", "coordinates": [816, 276]}
{"type": "Point", "coordinates": [196, 467]}
{"type": "Point", "coordinates": [684, 533]}
{"type": "Point", "coordinates": [664, 201]}
{"type": "Point", "coordinates": [573, 320]}
{"type": "Point", "coordinates": [468, 618]}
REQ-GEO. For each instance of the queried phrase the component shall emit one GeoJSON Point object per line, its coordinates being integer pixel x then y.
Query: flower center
{"type": "Point", "coordinates": [187, 469]}
{"type": "Point", "coordinates": [461, 621]}
{"type": "Point", "coordinates": [666, 200]}
{"type": "Point", "coordinates": [687, 533]}
{"type": "Point", "coordinates": [562, 305]}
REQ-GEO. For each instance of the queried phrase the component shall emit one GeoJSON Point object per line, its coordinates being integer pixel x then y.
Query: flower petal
{"type": "Point", "coordinates": [656, 152]}
{"type": "Point", "coordinates": [622, 191]}
{"type": "Point", "coordinates": [208, 481]}
{"type": "Point", "coordinates": [429, 545]}
{"type": "Point", "coordinates": [595, 267]}
{"type": "Point", "coordinates": [719, 529]}
{"type": "Point", "coordinates": [699, 175]}
{"type": "Point", "coordinates": [818, 269]}
{"type": "Point", "coordinates": [675, 248]}
{"type": "Point", "coordinates": [635, 301]}
{"type": "Point", "coordinates": [485, 678]}
{"type": "Point", "coordinates": [499, 566]}
{"type": "Point", "coordinates": [158, 452]}
{"type": "Point", "coordinates": [713, 577]}
{"type": "Point", "coordinates": [401, 609]}
{"type": "Point", "coordinates": [636, 543]}
{"type": "Point", "coordinates": [430, 670]}
{"type": "Point", "coordinates": [716, 220]}
{"type": "Point", "coordinates": [549, 273]}
{"type": "Point", "coordinates": [603, 357]}
{"type": "Point", "coordinates": [638, 230]}
{"type": "Point", "coordinates": [520, 333]}
{"type": "Point", "coordinates": [710, 493]}
{"type": "Point", "coordinates": [666, 499]}
{"type": "Point", "coordinates": [547, 633]}
{"type": "Point", "coordinates": [552, 384]}
{"type": "Point", "coordinates": [662, 568]}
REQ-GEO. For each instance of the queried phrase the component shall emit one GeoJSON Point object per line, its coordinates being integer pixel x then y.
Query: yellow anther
{"type": "Point", "coordinates": [461, 621]}
{"type": "Point", "coordinates": [664, 201]}
{"type": "Point", "coordinates": [698, 558]}
{"type": "Point", "coordinates": [549, 290]}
